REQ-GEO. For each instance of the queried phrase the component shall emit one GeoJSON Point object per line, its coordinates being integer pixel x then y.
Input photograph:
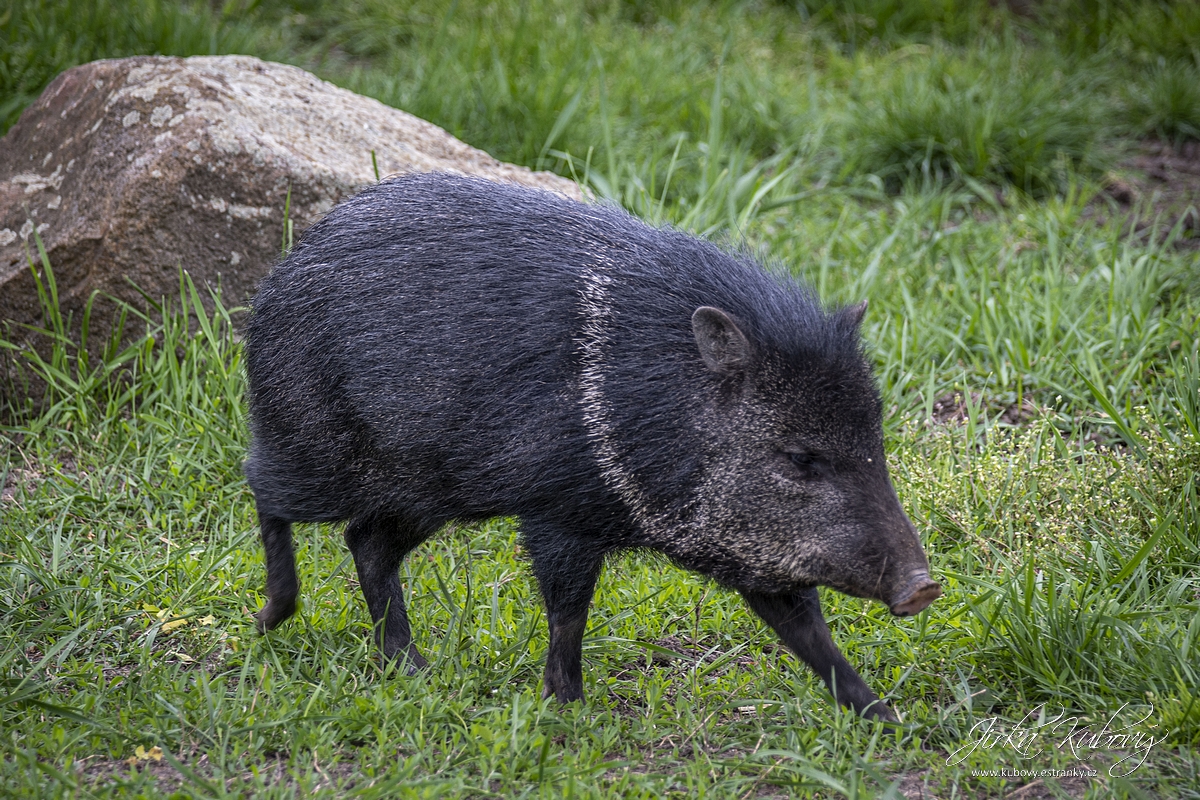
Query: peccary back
{"type": "Point", "coordinates": [443, 348]}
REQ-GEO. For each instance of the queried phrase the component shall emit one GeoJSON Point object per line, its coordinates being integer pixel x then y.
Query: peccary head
{"type": "Point", "coordinates": [796, 486]}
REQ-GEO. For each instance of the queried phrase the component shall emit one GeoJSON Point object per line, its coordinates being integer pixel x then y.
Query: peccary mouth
{"type": "Point", "coordinates": [916, 597]}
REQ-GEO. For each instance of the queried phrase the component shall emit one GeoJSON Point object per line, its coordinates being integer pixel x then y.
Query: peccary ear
{"type": "Point", "coordinates": [854, 314]}
{"type": "Point", "coordinates": [723, 346]}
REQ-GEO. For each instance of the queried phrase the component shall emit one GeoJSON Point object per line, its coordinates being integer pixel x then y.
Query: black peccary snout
{"type": "Point", "coordinates": [443, 348]}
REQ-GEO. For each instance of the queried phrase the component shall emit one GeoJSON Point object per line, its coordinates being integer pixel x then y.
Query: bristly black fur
{"type": "Point", "coordinates": [444, 348]}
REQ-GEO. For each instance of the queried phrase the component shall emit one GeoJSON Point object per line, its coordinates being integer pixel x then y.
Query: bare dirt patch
{"type": "Point", "coordinates": [1158, 187]}
{"type": "Point", "coordinates": [953, 408]}
{"type": "Point", "coordinates": [272, 768]}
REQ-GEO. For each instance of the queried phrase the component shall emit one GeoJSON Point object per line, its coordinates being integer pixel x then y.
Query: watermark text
{"type": "Point", "coordinates": [1129, 741]}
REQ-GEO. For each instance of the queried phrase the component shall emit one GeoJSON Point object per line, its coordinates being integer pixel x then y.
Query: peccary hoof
{"type": "Point", "coordinates": [881, 711]}
{"type": "Point", "coordinates": [274, 613]}
{"type": "Point", "coordinates": [409, 661]}
{"type": "Point", "coordinates": [563, 691]}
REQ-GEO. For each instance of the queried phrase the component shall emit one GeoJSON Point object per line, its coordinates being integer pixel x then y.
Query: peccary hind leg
{"type": "Point", "coordinates": [798, 620]}
{"type": "Point", "coordinates": [282, 586]}
{"type": "Point", "coordinates": [378, 546]}
{"type": "Point", "coordinates": [567, 569]}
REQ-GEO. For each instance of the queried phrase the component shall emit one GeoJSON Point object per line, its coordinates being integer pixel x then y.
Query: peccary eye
{"type": "Point", "coordinates": [810, 467]}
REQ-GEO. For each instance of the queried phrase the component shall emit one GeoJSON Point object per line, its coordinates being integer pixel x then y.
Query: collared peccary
{"type": "Point", "coordinates": [443, 348]}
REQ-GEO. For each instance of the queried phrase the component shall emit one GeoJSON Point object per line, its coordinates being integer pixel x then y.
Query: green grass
{"type": "Point", "coordinates": [929, 90]}
{"type": "Point", "coordinates": [1059, 510]}
{"type": "Point", "coordinates": [1167, 104]}
{"type": "Point", "coordinates": [998, 116]}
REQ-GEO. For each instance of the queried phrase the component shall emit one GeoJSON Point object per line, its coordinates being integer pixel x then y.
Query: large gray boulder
{"type": "Point", "coordinates": [132, 168]}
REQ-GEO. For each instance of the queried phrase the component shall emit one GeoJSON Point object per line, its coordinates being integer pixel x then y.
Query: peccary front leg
{"type": "Point", "coordinates": [282, 586]}
{"type": "Point", "coordinates": [798, 620]}
{"type": "Point", "coordinates": [378, 546]}
{"type": "Point", "coordinates": [567, 569]}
